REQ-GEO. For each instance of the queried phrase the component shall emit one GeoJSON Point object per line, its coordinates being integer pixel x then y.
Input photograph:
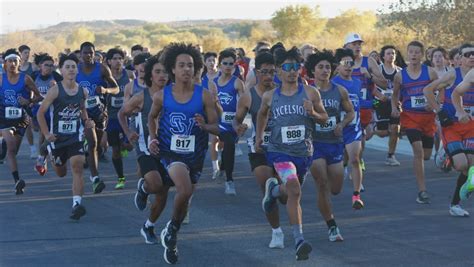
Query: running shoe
{"type": "Point", "coordinates": [278, 240]}
{"type": "Point", "coordinates": [230, 188]}
{"type": "Point", "coordinates": [149, 234]}
{"type": "Point", "coordinates": [362, 165]}
{"type": "Point", "coordinates": [140, 196]}
{"type": "Point", "coordinates": [334, 234]}
{"type": "Point", "coordinates": [19, 187]}
{"type": "Point", "coordinates": [357, 203]}
{"type": "Point", "coordinates": [77, 212]}
{"type": "Point", "coordinates": [268, 201]}
{"type": "Point", "coordinates": [423, 198]}
{"type": "Point", "coordinates": [468, 186]}
{"type": "Point", "coordinates": [392, 161]}
{"type": "Point", "coordinates": [120, 184]}
{"type": "Point", "coordinates": [41, 166]}
{"type": "Point", "coordinates": [303, 249]}
{"type": "Point", "coordinates": [458, 211]}
{"type": "Point", "coordinates": [97, 186]}
{"type": "Point", "coordinates": [238, 151]}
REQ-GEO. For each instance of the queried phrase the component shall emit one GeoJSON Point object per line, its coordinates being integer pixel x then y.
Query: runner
{"type": "Point", "coordinates": [65, 132]}
{"type": "Point", "coordinates": [115, 135]}
{"type": "Point", "coordinates": [250, 103]}
{"type": "Point", "coordinates": [95, 77]}
{"type": "Point", "coordinates": [327, 168]}
{"type": "Point", "coordinates": [457, 136]}
{"type": "Point", "coordinates": [227, 88]}
{"type": "Point", "coordinates": [138, 83]}
{"type": "Point", "coordinates": [187, 115]}
{"type": "Point", "coordinates": [352, 133]}
{"type": "Point", "coordinates": [417, 117]}
{"type": "Point", "coordinates": [155, 178]}
{"type": "Point", "coordinates": [290, 111]}
{"type": "Point", "coordinates": [17, 92]}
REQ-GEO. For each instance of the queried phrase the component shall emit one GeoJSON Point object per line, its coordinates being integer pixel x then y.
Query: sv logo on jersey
{"type": "Point", "coordinates": [179, 124]}
{"type": "Point", "coordinates": [225, 98]}
{"type": "Point", "coordinates": [90, 87]}
{"type": "Point", "coordinates": [10, 97]}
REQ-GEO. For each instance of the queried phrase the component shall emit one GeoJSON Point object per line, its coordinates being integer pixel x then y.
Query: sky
{"type": "Point", "coordinates": [34, 14]}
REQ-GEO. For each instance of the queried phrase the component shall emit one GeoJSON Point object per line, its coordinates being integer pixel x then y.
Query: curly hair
{"type": "Point", "coordinates": [342, 53]}
{"type": "Point", "coordinates": [317, 57]}
{"type": "Point", "coordinates": [280, 55]}
{"type": "Point", "coordinates": [173, 50]}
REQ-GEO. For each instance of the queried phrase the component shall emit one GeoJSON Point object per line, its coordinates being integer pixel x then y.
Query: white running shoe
{"type": "Point", "coordinates": [458, 211]}
{"type": "Point", "coordinates": [335, 234]}
{"type": "Point", "coordinates": [277, 241]}
{"type": "Point", "coordinates": [392, 161]}
{"type": "Point", "coordinates": [230, 188]}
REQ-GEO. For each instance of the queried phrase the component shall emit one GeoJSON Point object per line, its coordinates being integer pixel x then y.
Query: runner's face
{"type": "Point", "coordinates": [46, 67]}
{"type": "Point", "coordinates": [140, 69]}
{"type": "Point", "coordinates": [415, 54]}
{"type": "Point", "coordinates": [116, 62]}
{"type": "Point", "coordinates": [227, 65]}
{"type": "Point", "coordinates": [389, 56]}
{"type": "Point", "coordinates": [159, 75]}
{"type": "Point", "coordinates": [322, 70]}
{"type": "Point", "coordinates": [356, 47]}
{"type": "Point", "coordinates": [184, 68]}
{"type": "Point", "coordinates": [211, 63]}
{"type": "Point", "coordinates": [265, 74]}
{"type": "Point", "coordinates": [25, 55]}
{"type": "Point", "coordinates": [12, 64]}
{"type": "Point", "coordinates": [345, 69]}
{"type": "Point", "coordinates": [438, 59]}
{"type": "Point", "coordinates": [87, 54]}
{"type": "Point", "coordinates": [69, 70]}
{"type": "Point", "coordinates": [289, 76]}
{"type": "Point", "coordinates": [467, 61]}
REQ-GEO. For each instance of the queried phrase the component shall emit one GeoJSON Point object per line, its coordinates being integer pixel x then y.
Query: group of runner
{"type": "Point", "coordinates": [311, 113]}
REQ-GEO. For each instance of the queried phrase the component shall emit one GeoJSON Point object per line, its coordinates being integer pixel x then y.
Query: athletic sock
{"type": "Point", "coordinates": [16, 176]}
{"type": "Point", "coordinates": [356, 193]}
{"type": "Point", "coordinates": [298, 233]}
{"type": "Point", "coordinates": [277, 230]}
{"type": "Point", "coordinates": [149, 224]}
{"type": "Point", "coordinates": [330, 223]}
{"type": "Point", "coordinates": [215, 165]}
{"type": "Point", "coordinates": [76, 200]}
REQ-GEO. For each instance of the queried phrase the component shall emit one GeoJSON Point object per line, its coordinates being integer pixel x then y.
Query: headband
{"type": "Point", "coordinates": [12, 56]}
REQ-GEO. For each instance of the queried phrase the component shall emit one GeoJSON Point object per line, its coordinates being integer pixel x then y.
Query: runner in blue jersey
{"type": "Point", "coordinates": [210, 69]}
{"type": "Point", "coordinates": [44, 79]}
{"type": "Point", "coordinates": [352, 133]}
{"type": "Point", "coordinates": [457, 137]}
{"type": "Point", "coordinates": [138, 83]}
{"type": "Point", "coordinates": [227, 88]}
{"type": "Point", "coordinates": [327, 167]}
{"type": "Point", "coordinates": [186, 114]}
{"type": "Point", "coordinates": [250, 103]}
{"type": "Point", "coordinates": [115, 135]}
{"type": "Point", "coordinates": [290, 112]}
{"type": "Point", "coordinates": [68, 116]}
{"type": "Point", "coordinates": [17, 92]}
{"type": "Point", "coordinates": [155, 178]}
{"type": "Point", "coordinates": [98, 80]}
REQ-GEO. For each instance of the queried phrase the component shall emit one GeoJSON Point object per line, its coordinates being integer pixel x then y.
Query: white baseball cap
{"type": "Point", "coordinates": [352, 37]}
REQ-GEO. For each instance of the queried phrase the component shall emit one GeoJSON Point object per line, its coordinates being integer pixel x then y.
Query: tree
{"type": "Point", "coordinates": [297, 23]}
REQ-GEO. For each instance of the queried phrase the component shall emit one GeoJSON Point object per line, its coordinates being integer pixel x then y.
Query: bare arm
{"type": "Point", "coordinates": [315, 109]}
{"type": "Point", "coordinates": [397, 82]}
{"type": "Point", "coordinates": [31, 87]}
{"type": "Point", "coordinates": [443, 82]}
{"type": "Point", "coordinates": [251, 79]}
{"type": "Point", "coordinates": [347, 107]}
{"type": "Point", "coordinates": [262, 118]}
{"type": "Point", "coordinates": [377, 76]}
{"type": "Point", "coordinates": [217, 102]}
{"type": "Point", "coordinates": [457, 95]}
{"type": "Point", "coordinates": [243, 106]}
{"type": "Point", "coordinates": [154, 112]}
{"type": "Point", "coordinates": [127, 109]}
{"type": "Point", "coordinates": [127, 92]}
{"type": "Point", "coordinates": [212, 124]}
{"type": "Point", "coordinates": [107, 76]}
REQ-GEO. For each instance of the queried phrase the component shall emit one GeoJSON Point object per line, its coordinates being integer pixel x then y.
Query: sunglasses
{"type": "Point", "coordinates": [48, 65]}
{"type": "Point", "coordinates": [290, 66]}
{"type": "Point", "coordinates": [227, 63]}
{"type": "Point", "coordinates": [468, 54]}
{"type": "Point", "coordinates": [266, 72]}
{"type": "Point", "coordinates": [348, 63]}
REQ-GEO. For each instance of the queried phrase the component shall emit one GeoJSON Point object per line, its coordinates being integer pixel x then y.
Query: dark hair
{"type": "Point", "coordinates": [150, 62]}
{"type": "Point", "coordinates": [385, 48]}
{"type": "Point", "coordinates": [439, 49]}
{"type": "Point", "coordinates": [281, 55]}
{"type": "Point", "coordinates": [77, 51]}
{"type": "Point", "coordinates": [241, 51]}
{"type": "Point", "coordinates": [466, 45]}
{"type": "Point", "coordinates": [137, 47]}
{"type": "Point", "coordinates": [10, 52]}
{"type": "Point", "coordinates": [173, 50]}
{"type": "Point", "coordinates": [417, 44]}
{"type": "Point", "coordinates": [399, 60]}
{"type": "Point", "coordinates": [209, 54]}
{"type": "Point", "coordinates": [264, 58]}
{"type": "Point", "coordinates": [23, 48]}
{"type": "Point", "coordinates": [453, 52]}
{"type": "Point", "coordinates": [317, 57]}
{"type": "Point", "coordinates": [276, 46]}
{"type": "Point", "coordinates": [42, 57]}
{"type": "Point", "coordinates": [110, 54]}
{"type": "Point", "coordinates": [141, 58]}
{"type": "Point", "coordinates": [87, 44]}
{"type": "Point", "coordinates": [342, 53]}
{"type": "Point", "coordinates": [260, 44]}
{"type": "Point", "coordinates": [63, 59]}
{"type": "Point", "coordinates": [225, 54]}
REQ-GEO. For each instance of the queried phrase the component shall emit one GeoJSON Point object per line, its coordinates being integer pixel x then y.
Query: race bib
{"type": "Point", "coordinates": [292, 134]}
{"type": "Point", "coordinates": [13, 112]}
{"type": "Point", "coordinates": [182, 143]}
{"type": "Point", "coordinates": [418, 101]}
{"type": "Point", "coordinates": [67, 127]}
{"type": "Point", "coordinates": [227, 117]}
{"type": "Point", "coordinates": [92, 101]}
{"type": "Point", "coordinates": [363, 93]}
{"type": "Point", "coordinates": [266, 138]}
{"type": "Point", "coordinates": [116, 102]}
{"type": "Point", "coordinates": [328, 126]}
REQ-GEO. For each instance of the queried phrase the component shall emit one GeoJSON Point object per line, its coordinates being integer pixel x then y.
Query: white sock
{"type": "Point", "coordinates": [215, 164]}
{"type": "Point", "coordinates": [276, 230]}
{"type": "Point", "coordinates": [93, 179]}
{"type": "Point", "coordinates": [76, 200]}
{"type": "Point", "coordinates": [149, 224]}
